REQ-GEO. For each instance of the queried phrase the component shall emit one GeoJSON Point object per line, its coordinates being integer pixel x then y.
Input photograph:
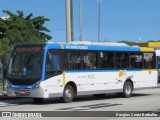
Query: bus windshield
{"type": "Point", "coordinates": [25, 65]}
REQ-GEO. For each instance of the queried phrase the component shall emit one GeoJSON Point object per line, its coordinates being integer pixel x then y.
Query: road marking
{"type": "Point", "coordinates": [89, 107]}
{"type": "Point", "coordinates": [3, 104]}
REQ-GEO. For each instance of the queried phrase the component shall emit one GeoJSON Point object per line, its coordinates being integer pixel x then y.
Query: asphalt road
{"type": "Point", "coordinates": [143, 100]}
{"type": "Point", "coordinates": [148, 99]}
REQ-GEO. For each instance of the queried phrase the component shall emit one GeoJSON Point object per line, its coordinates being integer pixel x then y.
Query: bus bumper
{"type": "Point", "coordinates": [27, 92]}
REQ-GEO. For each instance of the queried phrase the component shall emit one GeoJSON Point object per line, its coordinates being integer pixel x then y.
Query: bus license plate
{"type": "Point", "coordinates": [22, 92]}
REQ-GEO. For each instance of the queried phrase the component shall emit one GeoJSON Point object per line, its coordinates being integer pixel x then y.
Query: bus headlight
{"type": "Point", "coordinates": [37, 84]}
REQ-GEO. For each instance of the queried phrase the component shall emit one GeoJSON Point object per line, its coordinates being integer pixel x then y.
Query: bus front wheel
{"type": "Point", "coordinates": [68, 94]}
{"type": "Point", "coordinates": [127, 89]}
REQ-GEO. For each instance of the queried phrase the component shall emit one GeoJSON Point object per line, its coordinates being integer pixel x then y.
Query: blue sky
{"type": "Point", "coordinates": [120, 19]}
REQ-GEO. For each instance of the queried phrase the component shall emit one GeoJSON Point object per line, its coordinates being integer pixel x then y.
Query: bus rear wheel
{"type": "Point", "coordinates": [127, 89]}
{"type": "Point", "coordinates": [68, 94]}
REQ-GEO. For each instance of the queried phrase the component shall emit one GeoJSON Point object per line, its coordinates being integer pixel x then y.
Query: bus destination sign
{"type": "Point", "coordinates": [29, 49]}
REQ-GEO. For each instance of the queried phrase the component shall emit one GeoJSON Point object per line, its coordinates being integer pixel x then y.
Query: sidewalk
{"type": "Point", "coordinates": [1, 90]}
{"type": "Point", "coordinates": [3, 94]}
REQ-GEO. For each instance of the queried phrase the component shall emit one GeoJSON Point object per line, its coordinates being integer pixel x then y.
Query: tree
{"type": "Point", "coordinates": [20, 29]}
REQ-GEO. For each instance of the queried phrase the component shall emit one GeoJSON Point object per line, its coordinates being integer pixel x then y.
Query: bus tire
{"type": "Point", "coordinates": [68, 94]}
{"type": "Point", "coordinates": [37, 100]}
{"type": "Point", "coordinates": [127, 89]}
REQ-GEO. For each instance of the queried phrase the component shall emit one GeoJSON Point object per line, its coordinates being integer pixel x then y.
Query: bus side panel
{"type": "Point", "coordinates": [53, 87]}
{"type": "Point", "coordinates": [92, 82]}
{"type": "Point", "coordinates": [98, 82]}
{"type": "Point", "coordinates": [145, 79]}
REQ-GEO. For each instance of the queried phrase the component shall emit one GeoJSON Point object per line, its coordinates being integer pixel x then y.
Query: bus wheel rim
{"type": "Point", "coordinates": [68, 94]}
{"type": "Point", "coordinates": [128, 89]}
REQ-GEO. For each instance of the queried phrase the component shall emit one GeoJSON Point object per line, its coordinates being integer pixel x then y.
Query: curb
{"type": "Point", "coordinates": [5, 97]}
{"type": "Point", "coordinates": [2, 98]}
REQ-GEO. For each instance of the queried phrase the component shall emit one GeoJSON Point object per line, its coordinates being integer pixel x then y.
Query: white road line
{"type": "Point", "coordinates": [3, 104]}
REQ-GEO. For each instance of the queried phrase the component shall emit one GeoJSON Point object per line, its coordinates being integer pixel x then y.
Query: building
{"type": "Point", "coordinates": [150, 44]}
{"type": "Point", "coordinates": [153, 45]}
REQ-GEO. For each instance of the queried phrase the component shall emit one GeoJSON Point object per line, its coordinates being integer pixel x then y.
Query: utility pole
{"type": "Point", "coordinates": [3, 61]}
{"type": "Point", "coordinates": [80, 17]}
{"type": "Point", "coordinates": [72, 32]}
{"type": "Point", "coordinates": [69, 21]}
{"type": "Point", "coordinates": [99, 19]}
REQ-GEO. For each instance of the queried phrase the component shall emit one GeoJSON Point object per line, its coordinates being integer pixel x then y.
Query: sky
{"type": "Point", "coordinates": [132, 20]}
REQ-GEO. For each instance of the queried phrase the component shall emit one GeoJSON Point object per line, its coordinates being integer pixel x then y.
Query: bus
{"type": "Point", "coordinates": [48, 70]}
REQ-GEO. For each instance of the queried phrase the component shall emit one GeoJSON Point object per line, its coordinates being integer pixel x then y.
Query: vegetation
{"type": "Point", "coordinates": [131, 43]}
{"type": "Point", "coordinates": [18, 28]}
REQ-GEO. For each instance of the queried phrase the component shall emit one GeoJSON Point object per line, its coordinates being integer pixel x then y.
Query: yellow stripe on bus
{"type": "Point", "coordinates": [62, 46]}
{"type": "Point", "coordinates": [64, 78]}
{"type": "Point", "coordinates": [149, 70]}
{"type": "Point", "coordinates": [145, 49]}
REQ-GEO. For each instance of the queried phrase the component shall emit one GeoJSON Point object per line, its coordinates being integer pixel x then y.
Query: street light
{"type": "Point", "coordinates": [140, 39]}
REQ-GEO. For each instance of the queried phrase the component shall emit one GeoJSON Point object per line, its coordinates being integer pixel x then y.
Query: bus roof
{"type": "Point", "coordinates": [109, 46]}
{"type": "Point", "coordinates": [98, 46]}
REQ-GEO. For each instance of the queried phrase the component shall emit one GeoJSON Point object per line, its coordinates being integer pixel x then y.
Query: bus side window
{"type": "Point", "coordinates": [90, 60]}
{"type": "Point", "coordinates": [122, 60]}
{"type": "Point", "coordinates": [53, 64]}
{"type": "Point", "coordinates": [136, 60]}
{"type": "Point", "coordinates": [75, 59]}
{"type": "Point", "coordinates": [149, 60]}
{"type": "Point", "coordinates": [72, 59]}
{"type": "Point", "coordinates": [106, 60]}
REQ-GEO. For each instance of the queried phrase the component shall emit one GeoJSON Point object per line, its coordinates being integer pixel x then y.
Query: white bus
{"type": "Point", "coordinates": [68, 70]}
